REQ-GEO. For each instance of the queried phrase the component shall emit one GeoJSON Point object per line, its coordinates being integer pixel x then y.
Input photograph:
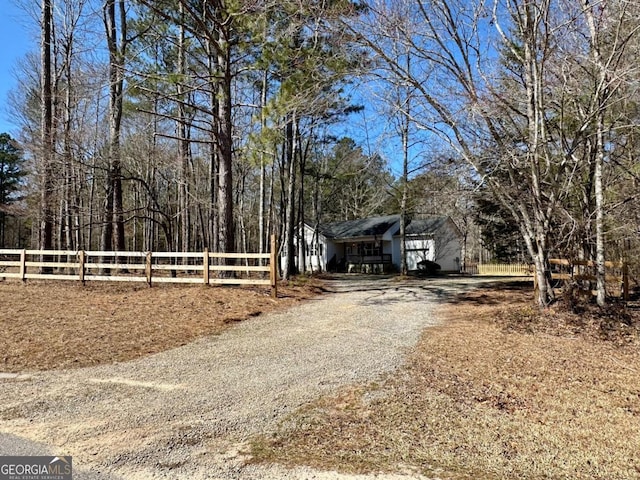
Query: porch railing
{"type": "Point", "coordinates": [369, 259]}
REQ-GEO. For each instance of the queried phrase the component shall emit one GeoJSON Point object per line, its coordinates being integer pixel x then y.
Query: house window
{"type": "Point", "coordinates": [371, 249]}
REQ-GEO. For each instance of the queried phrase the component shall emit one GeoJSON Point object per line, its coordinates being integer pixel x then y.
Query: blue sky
{"type": "Point", "coordinates": [16, 39]}
{"type": "Point", "coordinates": [19, 35]}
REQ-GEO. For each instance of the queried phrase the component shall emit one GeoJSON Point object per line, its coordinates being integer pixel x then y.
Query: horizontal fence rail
{"type": "Point", "coordinates": [583, 271]}
{"type": "Point", "coordinates": [151, 267]}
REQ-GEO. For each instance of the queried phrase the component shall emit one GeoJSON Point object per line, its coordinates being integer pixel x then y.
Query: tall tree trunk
{"type": "Point", "coordinates": [601, 289]}
{"type": "Point", "coordinates": [261, 207]}
{"type": "Point", "coordinates": [270, 227]}
{"type": "Point", "coordinates": [600, 104]}
{"type": "Point", "coordinates": [46, 111]}
{"type": "Point", "coordinates": [404, 106]}
{"type": "Point", "coordinates": [404, 193]}
{"type": "Point", "coordinates": [183, 143]}
{"type": "Point", "coordinates": [68, 155]}
{"type": "Point", "coordinates": [241, 214]}
{"type": "Point", "coordinates": [289, 231]}
{"type": "Point", "coordinates": [225, 144]}
{"type": "Point", "coordinates": [214, 161]}
{"type": "Point", "coordinates": [116, 30]}
{"type": "Point", "coordinates": [537, 150]}
{"type": "Point", "coordinates": [300, 231]}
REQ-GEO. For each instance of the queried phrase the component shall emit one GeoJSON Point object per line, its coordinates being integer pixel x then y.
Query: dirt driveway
{"type": "Point", "coordinates": [187, 413]}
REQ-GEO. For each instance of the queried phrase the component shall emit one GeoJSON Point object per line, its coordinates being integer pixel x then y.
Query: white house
{"type": "Point", "coordinates": [373, 244]}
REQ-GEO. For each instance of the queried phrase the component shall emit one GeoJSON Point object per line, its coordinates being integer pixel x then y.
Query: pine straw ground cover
{"type": "Point", "coordinates": [47, 325]}
{"type": "Point", "coordinates": [497, 392]}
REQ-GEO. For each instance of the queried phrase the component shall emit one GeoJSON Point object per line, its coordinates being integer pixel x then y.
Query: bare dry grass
{"type": "Point", "coordinates": [496, 393]}
{"type": "Point", "coordinates": [47, 325]}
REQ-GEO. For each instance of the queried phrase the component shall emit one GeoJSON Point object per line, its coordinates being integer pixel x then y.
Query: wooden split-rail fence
{"type": "Point", "coordinates": [577, 271]}
{"type": "Point", "coordinates": [151, 267]}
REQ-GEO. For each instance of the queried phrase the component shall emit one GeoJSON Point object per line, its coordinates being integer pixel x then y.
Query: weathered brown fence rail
{"type": "Point", "coordinates": [150, 267]}
{"type": "Point", "coordinates": [617, 277]}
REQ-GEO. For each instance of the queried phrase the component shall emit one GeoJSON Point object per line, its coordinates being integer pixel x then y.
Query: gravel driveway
{"type": "Point", "coordinates": [187, 413]}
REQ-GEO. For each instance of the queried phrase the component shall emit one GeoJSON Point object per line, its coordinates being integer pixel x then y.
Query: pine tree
{"type": "Point", "coordinates": [11, 173]}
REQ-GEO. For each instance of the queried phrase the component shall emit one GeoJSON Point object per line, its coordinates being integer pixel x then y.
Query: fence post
{"type": "Point", "coordinates": [273, 268]}
{"type": "Point", "coordinates": [23, 265]}
{"type": "Point", "coordinates": [81, 266]}
{"type": "Point", "coordinates": [205, 266]}
{"type": "Point", "coordinates": [625, 281]}
{"type": "Point", "coordinates": [148, 267]}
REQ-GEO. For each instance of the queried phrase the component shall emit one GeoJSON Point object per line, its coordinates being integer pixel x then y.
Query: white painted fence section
{"type": "Point", "coordinates": [506, 269]}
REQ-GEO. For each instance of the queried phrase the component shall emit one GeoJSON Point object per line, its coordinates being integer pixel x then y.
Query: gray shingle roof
{"type": "Point", "coordinates": [364, 227]}
{"type": "Point", "coordinates": [424, 225]}
{"type": "Point", "coordinates": [368, 227]}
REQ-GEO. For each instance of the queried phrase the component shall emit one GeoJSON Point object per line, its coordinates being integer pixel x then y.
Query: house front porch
{"type": "Point", "coordinates": [380, 263]}
{"type": "Point", "coordinates": [368, 255]}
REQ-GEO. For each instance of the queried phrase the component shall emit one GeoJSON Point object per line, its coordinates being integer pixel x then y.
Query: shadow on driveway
{"type": "Point", "coordinates": [442, 288]}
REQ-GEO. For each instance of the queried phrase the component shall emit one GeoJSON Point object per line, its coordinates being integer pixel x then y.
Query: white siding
{"type": "Point", "coordinates": [315, 260]}
{"type": "Point", "coordinates": [448, 256]}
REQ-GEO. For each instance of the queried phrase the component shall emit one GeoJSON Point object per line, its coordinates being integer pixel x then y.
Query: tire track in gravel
{"type": "Point", "coordinates": [187, 412]}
